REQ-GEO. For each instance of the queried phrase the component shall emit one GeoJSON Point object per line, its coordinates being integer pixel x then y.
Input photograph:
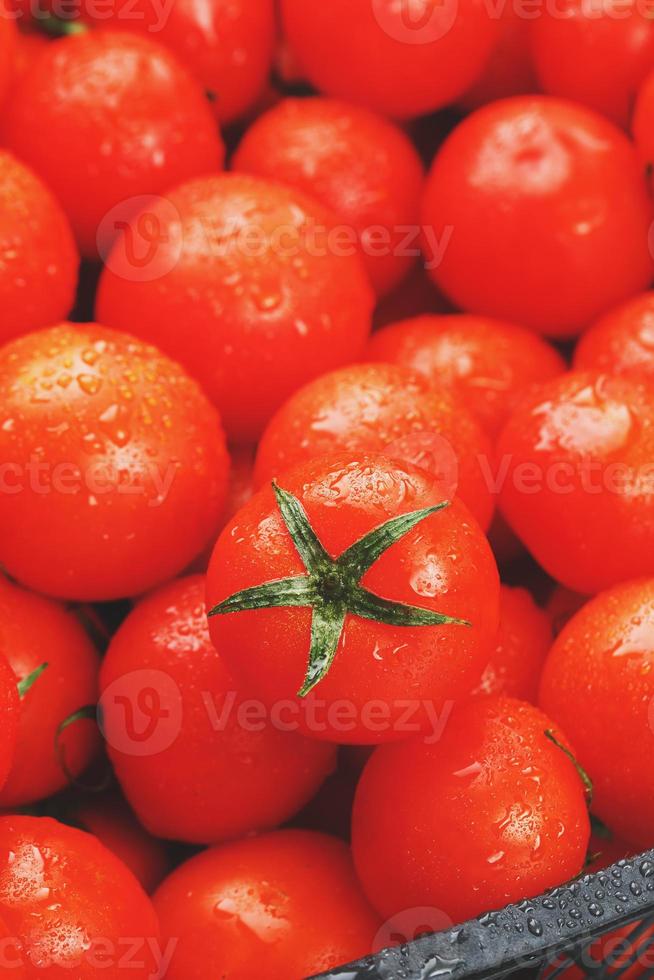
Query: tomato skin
{"type": "Point", "coordinates": [9, 713]}
{"type": "Point", "coordinates": [401, 61]}
{"type": "Point", "coordinates": [641, 123]}
{"type": "Point", "coordinates": [596, 53]}
{"type": "Point", "coordinates": [370, 408]}
{"type": "Point", "coordinates": [38, 277]}
{"type": "Point", "coordinates": [94, 904]}
{"type": "Point", "coordinates": [599, 682]}
{"type": "Point", "coordinates": [362, 167]}
{"type": "Point", "coordinates": [133, 464]}
{"type": "Point", "coordinates": [8, 49]}
{"type": "Point", "coordinates": [509, 70]}
{"type": "Point", "coordinates": [487, 362]}
{"type": "Point", "coordinates": [134, 125]}
{"type": "Point", "coordinates": [577, 479]}
{"type": "Point", "coordinates": [218, 779]}
{"type": "Point", "coordinates": [445, 564]}
{"type": "Point", "coordinates": [257, 327]}
{"type": "Point", "coordinates": [559, 176]}
{"type": "Point", "coordinates": [622, 341]}
{"type": "Point", "coordinates": [286, 902]}
{"type": "Point", "coordinates": [493, 774]}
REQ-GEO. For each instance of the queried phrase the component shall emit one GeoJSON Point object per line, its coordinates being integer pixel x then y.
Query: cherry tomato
{"type": "Point", "coordinates": [383, 656]}
{"type": "Point", "coordinates": [38, 272]}
{"type": "Point", "coordinates": [622, 341]}
{"type": "Point", "coordinates": [493, 772]}
{"type": "Point", "coordinates": [522, 643]}
{"type": "Point", "coordinates": [595, 52]}
{"type": "Point", "coordinates": [401, 59]}
{"type": "Point", "coordinates": [35, 631]}
{"type": "Point", "coordinates": [598, 683]}
{"type": "Point", "coordinates": [283, 905]}
{"type": "Point", "coordinates": [72, 907]}
{"type": "Point", "coordinates": [9, 714]}
{"type": "Point", "coordinates": [509, 70]}
{"type": "Point", "coordinates": [575, 467]}
{"type": "Point", "coordinates": [126, 120]}
{"type": "Point", "coordinates": [382, 408]}
{"type": "Point", "coordinates": [527, 199]}
{"type": "Point", "coordinates": [247, 291]}
{"type": "Point", "coordinates": [210, 764]}
{"type": "Point", "coordinates": [114, 467]}
{"type": "Point", "coordinates": [487, 362]}
{"type": "Point", "coordinates": [356, 163]}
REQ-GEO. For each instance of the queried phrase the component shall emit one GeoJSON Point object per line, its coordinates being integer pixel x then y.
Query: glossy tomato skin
{"type": "Point", "coordinates": [286, 902]}
{"type": "Point", "coordinates": [34, 631]}
{"type": "Point", "coordinates": [444, 564]}
{"type": "Point", "coordinates": [93, 904]}
{"type": "Point", "coordinates": [487, 362]}
{"type": "Point", "coordinates": [382, 408]}
{"type": "Point", "coordinates": [577, 478]}
{"type": "Point", "coordinates": [223, 773]}
{"type": "Point", "coordinates": [558, 176]}
{"type": "Point", "coordinates": [522, 643]}
{"type": "Point", "coordinates": [9, 714]}
{"type": "Point", "coordinates": [38, 275]}
{"type": "Point", "coordinates": [595, 53]}
{"type": "Point", "coordinates": [127, 121]}
{"type": "Point", "coordinates": [401, 60]}
{"type": "Point", "coordinates": [599, 682]}
{"type": "Point", "coordinates": [362, 167]}
{"type": "Point", "coordinates": [252, 316]}
{"type": "Point", "coordinates": [622, 341]}
{"type": "Point", "coordinates": [491, 813]}
{"type": "Point", "coordinates": [115, 464]}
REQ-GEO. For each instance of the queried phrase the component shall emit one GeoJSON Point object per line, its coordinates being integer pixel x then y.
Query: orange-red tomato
{"type": "Point", "coordinates": [622, 341]}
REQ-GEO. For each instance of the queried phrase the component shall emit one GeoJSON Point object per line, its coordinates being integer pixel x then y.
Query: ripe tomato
{"type": "Point", "coordinates": [29, 46]}
{"type": "Point", "coordinates": [381, 668]}
{"type": "Point", "coordinates": [622, 341]}
{"type": "Point", "coordinates": [35, 631]}
{"type": "Point", "coordinates": [126, 120]}
{"type": "Point", "coordinates": [247, 291]}
{"type": "Point", "coordinates": [9, 714]}
{"type": "Point", "coordinates": [356, 163]}
{"type": "Point", "coordinates": [509, 70]}
{"type": "Point", "coordinates": [114, 467]}
{"type": "Point", "coordinates": [551, 174]}
{"type": "Point", "coordinates": [283, 905]}
{"type": "Point", "coordinates": [523, 641]}
{"type": "Point", "coordinates": [487, 362]}
{"type": "Point", "coordinates": [72, 906]}
{"type": "Point", "coordinates": [596, 52]}
{"type": "Point", "coordinates": [598, 683]}
{"type": "Point", "coordinates": [38, 272]}
{"type": "Point", "coordinates": [8, 48]}
{"type": "Point", "coordinates": [495, 772]}
{"type": "Point", "coordinates": [400, 59]}
{"type": "Point", "coordinates": [575, 464]}
{"type": "Point", "coordinates": [204, 763]}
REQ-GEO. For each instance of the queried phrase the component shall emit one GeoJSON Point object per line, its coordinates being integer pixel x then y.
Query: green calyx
{"type": "Point", "coordinates": [27, 682]}
{"type": "Point", "coordinates": [583, 775]}
{"type": "Point", "coordinates": [332, 586]}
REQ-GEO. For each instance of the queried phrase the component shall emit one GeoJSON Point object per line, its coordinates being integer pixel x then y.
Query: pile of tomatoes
{"type": "Point", "coordinates": [326, 473]}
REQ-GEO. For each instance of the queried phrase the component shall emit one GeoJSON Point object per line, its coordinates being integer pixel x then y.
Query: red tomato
{"type": "Point", "coordinates": [204, 763]}
{"type": "Point", "coordinates": [38, 272]}
{"type": "Point", "coordinates": [575, 464]}
{"type": "Point", "coordinates": [109, 819]}
{"type": "Point", "coordinates": [382, 408]}
{"type": "Point", "coordinates": [598, 683]}
{"type": "Point", "coordinates": [72, 906]}
{"type": "Point", "coordinates": [523, 641]}
{"type": "Point", "coordinates": [379, 669]}
{"type": "Point", "coordinates": [356, 163]}
{"type": "Point", "coordinates": [400, 59]}
{"type": "Point", "coordinates": [246, 291]}
{"type": "Point", "coordinates": [8, 48]}
{"type": "Point", "coordinates": [622, 341]}
{"type": "Point", "coordinates": [9, 714]}
{"type": "Point", "coordinates": [114, 467]}
{"type": "Point", "coordinates": [641, 124]}
{"type": "Point", "coordinates": [526, 200]}
{"type": "Point", "coordinates": [28, 48]}
{"type": "Point", "coordinates": [35, 631]}
{"type": "Point", "coordinates": [509, 70]}
{"type": "Point", "coordinates": [596, 52]}
{"type": "Point", "coordinates": [488, 363]}
{"type": "Point", "coordinates": [126, 120]}
{"type": "Point", "coordinates": [283, 905]}
{"type": "Point", "coordinates": [493, 772]}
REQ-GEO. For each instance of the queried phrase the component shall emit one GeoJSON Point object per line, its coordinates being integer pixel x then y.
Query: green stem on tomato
{"type": "Point", "coordinates": [27, 682]}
